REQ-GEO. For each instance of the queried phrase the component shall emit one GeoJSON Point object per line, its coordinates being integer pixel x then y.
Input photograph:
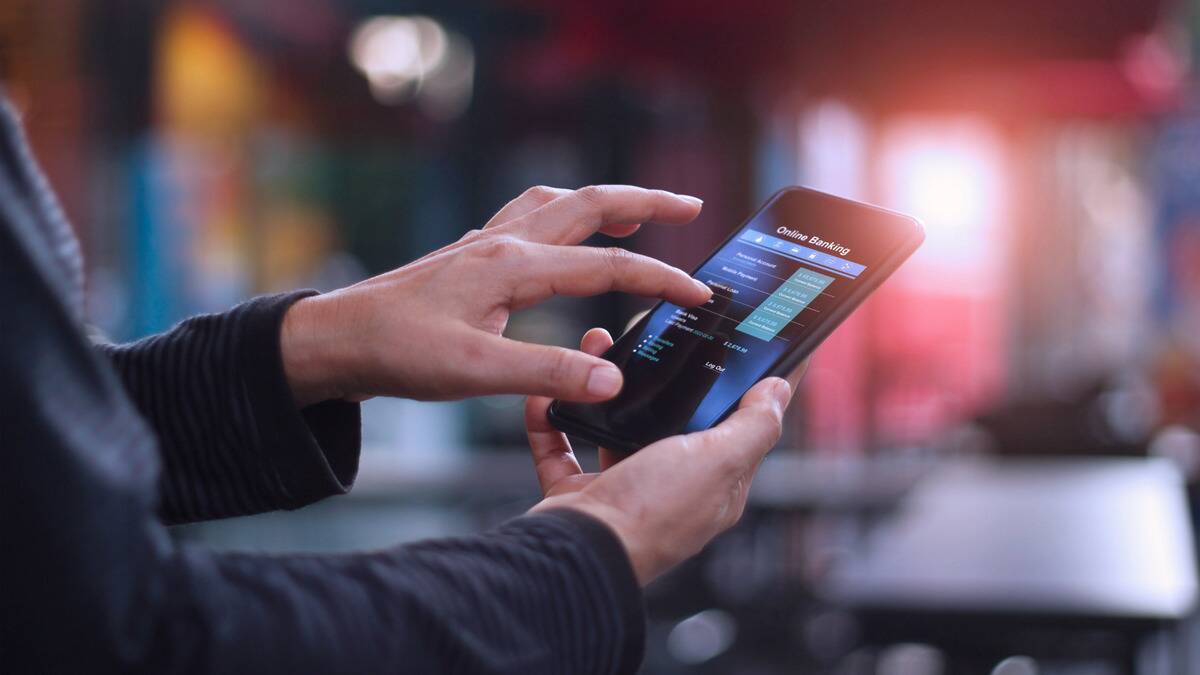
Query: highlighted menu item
{"type": "Point", "coordinates": [784, 304]}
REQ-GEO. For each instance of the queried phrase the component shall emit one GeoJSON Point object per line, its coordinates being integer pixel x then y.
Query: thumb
{"type": "Point", "coordinates": [755, 427]}
{"type": "Point", "coordinates": [516, 367]}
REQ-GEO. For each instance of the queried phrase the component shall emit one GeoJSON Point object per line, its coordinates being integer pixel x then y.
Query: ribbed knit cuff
{"type": "Point", "coordinates": [619, 580]}
{"type": "Point", "coordinates": [313, 451]}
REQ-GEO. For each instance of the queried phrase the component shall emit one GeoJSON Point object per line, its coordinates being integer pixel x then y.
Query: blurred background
{"type": "Point", "coordinates": [991, 466]}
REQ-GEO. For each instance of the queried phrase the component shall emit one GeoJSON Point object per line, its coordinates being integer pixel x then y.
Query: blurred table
{"type": "Point", "coordinates": [788, 480]}
{"type": "Point", "coordinates": [807, 482]}
{"type": "Point", "coordinates": [989, 554]}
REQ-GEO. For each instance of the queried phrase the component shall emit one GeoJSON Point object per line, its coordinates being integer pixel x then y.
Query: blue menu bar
{"type": "Point", "coordinates": [796, 251]}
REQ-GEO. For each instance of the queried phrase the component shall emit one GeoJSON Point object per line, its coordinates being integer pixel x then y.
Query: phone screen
{"type": "Point", "coordinates": [777, 282]}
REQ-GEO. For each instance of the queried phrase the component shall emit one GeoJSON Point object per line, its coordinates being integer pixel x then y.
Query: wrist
{"type": "Point", "coordinates": [308, 362]}
{"type": "Point", "coordinates": [645, 560]}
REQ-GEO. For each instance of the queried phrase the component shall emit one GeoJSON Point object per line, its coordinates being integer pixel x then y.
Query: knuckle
{"type": "Point", "coordinates": [774, 422]}
{"type": "Point", "coordinates": [736, 504]}
{"type": "Point", "coordinates": [557, 366]}
{"type": "Point", "coordinates": [685, 444]}
{"type": "Point", "coordinates": [540, 194]}
{"type": "Point", "coordinates": [770, 431]}
{"type": "Point", "coordinates": [765, 413]}
{"type": "Point", "coordinates": [689, 450]}
{"type": "Point", "coordinates": [499, 247]}
{"type": "Point", "coordinates": [617, 259]}
{"type": "Point", "coordinates": [593, 195]}
{"type": "Point", "coordinates": [472, 352]}
{"type": "Point", "coordinates": [776, 432]}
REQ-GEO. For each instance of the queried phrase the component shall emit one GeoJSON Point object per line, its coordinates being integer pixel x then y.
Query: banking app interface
{"type": "Point", "coordinates": [687, 366]}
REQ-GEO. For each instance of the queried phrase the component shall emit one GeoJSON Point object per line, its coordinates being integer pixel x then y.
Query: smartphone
{"type": "Point", "coordinates": [781, 283]}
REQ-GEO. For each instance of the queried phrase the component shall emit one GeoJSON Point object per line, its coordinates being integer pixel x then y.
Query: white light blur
{"type": "Point", "coordinates": [948, 183]}
{"type": "Point", "coordinates": [945, 186]}
{"type": "Point", "coordinates": [908, 658]}
{"type": "Point", "coordinates": [1016, 665]}
{"type": "Point", "coordinates": [948, 174]}
{"type": "Point", "coordinates": [702, 636]}
{"type": "Point", "coordinates": [407, 57]}
{"type": "Point", "coordinates": [833, 147]}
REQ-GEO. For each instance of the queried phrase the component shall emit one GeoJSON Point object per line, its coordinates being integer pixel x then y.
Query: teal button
{"type": "Point", "coordinates": [784, 304]}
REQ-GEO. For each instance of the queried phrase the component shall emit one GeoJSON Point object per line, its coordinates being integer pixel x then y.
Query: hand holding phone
{"type": "Point", "coordinates": [667, 501]}
{"type": "Point", "coordinates": [781, 283]}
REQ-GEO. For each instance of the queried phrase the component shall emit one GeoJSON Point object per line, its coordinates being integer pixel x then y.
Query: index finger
{"type": "Point", "coordinates": [574, 217]}
{"type": "Point", "coordinates": [585, 270]}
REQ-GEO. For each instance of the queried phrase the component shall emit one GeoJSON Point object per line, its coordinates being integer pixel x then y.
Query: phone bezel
{"type": "Point", "coordinates": [876, 275]}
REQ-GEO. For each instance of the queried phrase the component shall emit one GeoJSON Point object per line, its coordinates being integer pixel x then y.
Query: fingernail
{"type": "Point", "coordinates": [702, 286]}
{"type": "Point", "coordinates": [604, 381]}
{"type": "Point", "coordinates": [782, 391]}
{"type": "Point", "coordinates": [694, 201]}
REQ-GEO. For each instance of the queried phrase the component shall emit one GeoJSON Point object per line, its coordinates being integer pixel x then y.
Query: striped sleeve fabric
{"type": "Point", "coordinates": [232, 440]}
{"type": "Point", "coordinates": [547, 593]}
{"type": "Point", "coordinates": [92, 582]}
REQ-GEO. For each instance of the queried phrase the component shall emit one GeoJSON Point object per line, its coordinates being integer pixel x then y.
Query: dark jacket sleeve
{"type": "Point", "coordinates": [93, 583]}
{"type": "Point", "coordinates": [231, 438]}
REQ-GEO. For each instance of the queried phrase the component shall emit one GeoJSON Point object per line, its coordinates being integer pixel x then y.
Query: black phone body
{"type": "Point", "coordinates": [781, 283]}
